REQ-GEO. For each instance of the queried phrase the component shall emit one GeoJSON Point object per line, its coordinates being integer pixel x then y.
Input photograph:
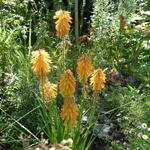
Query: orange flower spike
{"type": "Point", "coordinates": [40, 62]}
{"type": "Point", "coordinates": [63, 23]}
{"type": "Point", "coordinates": [67, 84]}
{"type": "Point", "coordinates": [84, 68]}
{"type": "Point", "coordinates": [69, 113]}
{"type": "Point", "coordinates": [126, 31]}
{"type": "Point", "coordinates": [122, 24]}
{"type": "Point", "coordinates": [121, 17]}
{"type": "Point", "coordinates": [98, 80]}
{"type": "Point", "coordinates": [122, 21]}
{"type": "Point", "coordinates": [49, 90]}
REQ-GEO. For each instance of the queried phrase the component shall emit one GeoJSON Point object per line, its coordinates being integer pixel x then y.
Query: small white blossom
{"type": "Point", "coordinates": [85, 118]}
{"type": "Point", "coordinates": [148, 129]}
{"type": "Point", "coordinates": [53, 148]}
{"type": "Point", "coordinates": [66, 148]}
{"type": "Point", "coordinates": [140, 135]}
{"type": "Point", "coordinates": [118, 115]}
{"type": "Point", "coordinates": [126, 118]}
{"type": "Point", "coordinates": [145, 137]}
{"type": "Point", "coordinates": [70, 141]}
{"type": "Point", "coordinates": [144, 126]}
{"type": "Point", "coordinates": [37, 149]}
{"type": "Point", "coordinates": [131, 131]}
{"type": "Point", "coordinates": [21, 18]}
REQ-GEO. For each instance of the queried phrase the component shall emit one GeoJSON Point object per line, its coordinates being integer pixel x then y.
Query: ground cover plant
{"type": "Point", "coordinates": [74, 75]}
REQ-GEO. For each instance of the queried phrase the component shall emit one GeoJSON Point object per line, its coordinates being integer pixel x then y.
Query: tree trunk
{"type": "Point", "coordinates": [76, 21]}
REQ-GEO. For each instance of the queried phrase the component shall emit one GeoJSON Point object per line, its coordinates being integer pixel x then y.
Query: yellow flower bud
{"type": "Point", "coordinates": [49, 90]}
{"type": "Point", "coordinates": [67, 84]}
{"type": "Point", "coordinates": [63, 23]}
{"type": "Point", "coordinates": [84, 68]}
{"type": "Point", "coordinates": [69, 113]}
{"type": "Point", "coordinates": [98, 80]}
{"type": "Point", "coordinates": [40, 62]}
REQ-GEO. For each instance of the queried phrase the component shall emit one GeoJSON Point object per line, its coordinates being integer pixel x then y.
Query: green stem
{"type": "Point", "coordinates": [30, 30]}
{"type": "Point", "coordinates": [95, 98]}
{"type": "Point", "coordinates": [3, 67]}
{"type": "Point", "coordinates": [136, 52]}
{"type": "Point", "coordinates": [76, 21]}
{"type": "Point", "coordinates": [64, 53]}
{"type": "Point", "coordinates": [84, 92]}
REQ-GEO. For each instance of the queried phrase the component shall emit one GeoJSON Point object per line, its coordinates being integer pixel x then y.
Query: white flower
{"type": "Point", "coordinates": [131, 131]}
{"type": "Point", "coordinates": [118, 115]}
{"type": "Point", "coordinates": [63, 142]}
{"type": "Point", "coordinates": [145, 137]}
{"type": "Point", "coordinates": [70, 141]}
{"type": "Point", "coordinates": [126, 118]}
{"type": "Point", "coordinates": [85, 119]}
{"type": "Point", "coordinates": [21, 18]}
{"type": "Point", "coordinates": [66, 148]}
{"type": "Point", "coordinates": [140, 135]}
{"type": "Point", "coordinates": [38, 148]}
{"type": "Point", "coordinates": [53, 148]}
{"type": "Point", "coordinates": [45, 141]}
{"type": "Point", "coordinates": [148, 129]}
{"type": "Point", "coordinates": [144, 126]}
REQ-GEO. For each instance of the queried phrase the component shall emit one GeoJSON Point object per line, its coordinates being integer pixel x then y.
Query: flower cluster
{"type": "Point", "coordinates": [67, 84]}
{"type": "Point", "coordinates": [69, 111]}
{"type": "Point", "coordinates": [63, 23]}
{"type": "Point", "coordinates": [84, 68]}
{"type": "Point", "coordinates": [49, 91]}
{"type": "Point", "coordinates": [98, 80]}
{"type": "Point", "coordinates": [40, 61]}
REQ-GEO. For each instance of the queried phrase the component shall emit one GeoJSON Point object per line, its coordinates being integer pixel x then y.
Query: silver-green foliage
{"type": "Point", "coordinates": [102, 15]}
{"type": "Point", "coordinates": [126, 7]}
{"type": "Point", "coordinates": [106, 13]}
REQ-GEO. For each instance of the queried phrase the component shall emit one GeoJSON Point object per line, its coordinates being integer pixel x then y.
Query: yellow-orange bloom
{"type": "Point", "coordinates": [63, 23]}
{"type": "Point", "coordinates": [84, 68]}
{"type": "Point", "coordinates": [98, 80]}
{"type": "Point", "coordinates": [67, 84]}
{"type": "Point", "coordinates": [69, 113]}
{"type": "Point", "coordinates": [40, 62]}
{"type": "Point", "coordinates": [49, 91]}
